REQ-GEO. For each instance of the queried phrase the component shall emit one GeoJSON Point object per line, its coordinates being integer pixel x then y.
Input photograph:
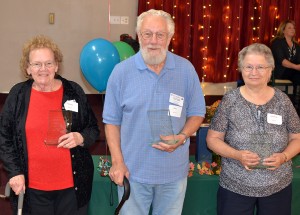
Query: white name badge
{"type": "Point", "coordinates": [176, 99]}
{"type": "Point", "coordinates": [175, 110]}
{"type": "Point", "coordinates": [71, 105]}
{"type": "Point", "coordinates": [274, 119]}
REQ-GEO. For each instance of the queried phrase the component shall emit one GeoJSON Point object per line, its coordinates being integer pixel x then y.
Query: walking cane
{"type": "Point", "coordinates": [20, 198]}
{"type": "Point", "coordinates": [125, 196]}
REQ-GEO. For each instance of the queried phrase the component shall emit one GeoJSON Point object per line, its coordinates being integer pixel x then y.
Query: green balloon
{"type": "Point", "coordinates": [124, 49]}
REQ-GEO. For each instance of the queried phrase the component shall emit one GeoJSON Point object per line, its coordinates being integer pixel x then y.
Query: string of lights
{"type": "Point", "coordinates": [204, 37]}
{"type": "Point", "coordinates": [227, 39]}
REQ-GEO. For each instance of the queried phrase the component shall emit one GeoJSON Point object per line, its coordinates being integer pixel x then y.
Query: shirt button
{"type": "Point", "coordinates": [73, 156]}
{"type": "Point", "coordinates": [76, 188]}
{"type": "Point", "coordinates": [74, 172]}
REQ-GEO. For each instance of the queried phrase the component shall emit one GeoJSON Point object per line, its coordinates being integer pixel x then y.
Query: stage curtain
{"type": "Point", "coordinates": [210, 33]}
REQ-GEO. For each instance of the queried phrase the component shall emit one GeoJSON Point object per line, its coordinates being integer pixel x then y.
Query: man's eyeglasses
{"type": "Point", "coordinates": [147, 35]}
{"type": "Point", "coordinates": [39, 65]}
{"type": "Point", "coordinates": [259, 68]}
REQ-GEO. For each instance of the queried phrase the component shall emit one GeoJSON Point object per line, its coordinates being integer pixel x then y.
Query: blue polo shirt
{"type": "Point", "coordinates": [132, 91]}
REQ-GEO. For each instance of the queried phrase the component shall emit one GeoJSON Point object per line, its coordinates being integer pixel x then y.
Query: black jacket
{"type": "Point", "coordinates": [13, 150]}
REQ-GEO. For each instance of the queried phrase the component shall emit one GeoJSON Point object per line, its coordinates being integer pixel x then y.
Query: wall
{"type": "Point", "coordinates": [76, 23]}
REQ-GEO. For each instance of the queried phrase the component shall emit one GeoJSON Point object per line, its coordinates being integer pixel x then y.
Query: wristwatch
{"type": "Point", "coordinates": [185, 137]}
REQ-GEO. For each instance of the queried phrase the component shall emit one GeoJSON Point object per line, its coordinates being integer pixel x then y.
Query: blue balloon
{"type": "Point", "coordinates": [97, 60]}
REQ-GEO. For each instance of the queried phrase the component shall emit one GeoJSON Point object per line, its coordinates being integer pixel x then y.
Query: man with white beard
{"type": "Point", "coordinates": [153, 85]}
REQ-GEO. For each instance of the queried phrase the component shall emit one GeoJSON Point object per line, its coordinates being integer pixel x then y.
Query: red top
{"type": "Point", "coordinates": [49, 167]}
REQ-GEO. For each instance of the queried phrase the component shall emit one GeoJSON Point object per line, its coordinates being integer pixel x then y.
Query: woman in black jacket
{"type": "Point", "coordinates": [286, 52]}
{"type": "Point", "coordinates": [55, 170]}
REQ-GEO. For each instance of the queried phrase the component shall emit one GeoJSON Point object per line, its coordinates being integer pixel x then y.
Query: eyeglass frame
{"type": "Point", "coordinates": [258, 68]}
{"type": "Point", "coordinates": [39, 65]}
{"type": "Point", "coordinates": [157, 35]}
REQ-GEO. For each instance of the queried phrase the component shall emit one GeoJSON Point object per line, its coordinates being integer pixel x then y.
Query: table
{"type": "Point", "coordinates": [200, 196]}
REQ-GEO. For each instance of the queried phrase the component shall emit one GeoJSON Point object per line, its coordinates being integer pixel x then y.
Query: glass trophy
{"type": "Point", "coordinates": [262, 145]}
{"type": "Point", "coordinates": [59, 123]}
{"type": "Point", "coordinates": [161, 124]}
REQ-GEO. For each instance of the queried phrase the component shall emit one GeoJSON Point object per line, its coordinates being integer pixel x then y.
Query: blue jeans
{"type": "Point", "coordinates": [165, 198]}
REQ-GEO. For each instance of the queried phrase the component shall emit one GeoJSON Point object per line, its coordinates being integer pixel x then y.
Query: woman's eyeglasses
{"type": "Point", "coordinates": [39, 65]}
{"type": "Point", "coordinates": [259, 68]}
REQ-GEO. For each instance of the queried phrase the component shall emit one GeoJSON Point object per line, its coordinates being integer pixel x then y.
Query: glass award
{"type": "Point", "coordinates": [59, 123]}
{"type": "Point", "coordinates": [262, 145]}
{"type": "Point", "coordinates": [161, 124]}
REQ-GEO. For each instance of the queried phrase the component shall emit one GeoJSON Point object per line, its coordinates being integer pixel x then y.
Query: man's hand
{"type": "Point", "coordinates": [117, 173]}
{"type": "Point", "coordinates": [168, 147]}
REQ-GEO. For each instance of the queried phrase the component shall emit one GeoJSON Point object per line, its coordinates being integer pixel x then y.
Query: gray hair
{"type": "Point", "coordinates": [161, 13]}
{"type": "Point", "coordinates": [259, 49]}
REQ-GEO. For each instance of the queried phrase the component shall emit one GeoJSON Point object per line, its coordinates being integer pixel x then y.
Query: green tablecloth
{"type": "Point", "coordinates": [200, 196]}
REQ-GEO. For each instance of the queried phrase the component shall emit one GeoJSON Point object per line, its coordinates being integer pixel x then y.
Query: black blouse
{"type": "Point", "coordinates": [281, 51]}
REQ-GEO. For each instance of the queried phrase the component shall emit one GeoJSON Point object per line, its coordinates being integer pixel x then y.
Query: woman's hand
{"type": "Point", "coordinates": [70, 140]}
{"type": "Point", "coordinates": [17, 184]}
{"type": "Point", "coordinates": [297, 67]}
{"type": "Point", "coordinates": [275, 160]}
{"type": "Point", "coordinates": [248, 158]}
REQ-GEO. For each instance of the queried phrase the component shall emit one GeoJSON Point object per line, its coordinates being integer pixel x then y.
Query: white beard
{"type": "Point", "coordinates": [152, 59]}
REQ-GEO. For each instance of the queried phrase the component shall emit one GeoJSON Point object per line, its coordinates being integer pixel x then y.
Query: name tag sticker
{"type": "Point", "coordinates": [175, 110]}
{"type": "Point", "coordinates": [71, 105]}
{"type": "Point", "coordinates": [274, 119]}
{"type": "Point", "coordinates": [176, 99]}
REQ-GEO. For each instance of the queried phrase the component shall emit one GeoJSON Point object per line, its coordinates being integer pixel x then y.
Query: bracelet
{"type": "Point", "coordinates": [285, 157]}
{"type": "Point", "coordinates": [185, 137]}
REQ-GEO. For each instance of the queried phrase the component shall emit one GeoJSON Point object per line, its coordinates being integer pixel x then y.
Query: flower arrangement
{"type": "Point", "coordinates": [210, 110]}
{"type": "Point", "coordinates": [103, 166]}
{"type": "Point", "coordinates": [205, 168]}
{"type": "Point", "coordinates": [191, 170]}
{"type": "Point", "coordinates": [209, 168]}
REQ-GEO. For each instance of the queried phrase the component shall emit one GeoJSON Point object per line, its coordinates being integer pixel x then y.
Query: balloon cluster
{"type": "Point", "coordinates": [98, 58]}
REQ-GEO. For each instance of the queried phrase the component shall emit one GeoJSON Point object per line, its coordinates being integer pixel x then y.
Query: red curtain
{"type": "Point", "coordinates": [210, 33]}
